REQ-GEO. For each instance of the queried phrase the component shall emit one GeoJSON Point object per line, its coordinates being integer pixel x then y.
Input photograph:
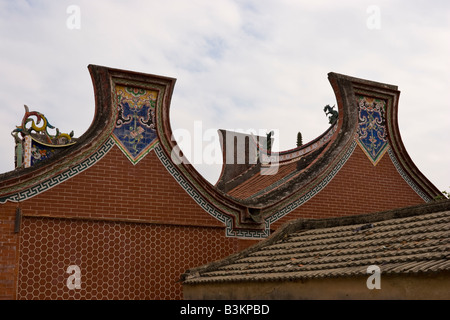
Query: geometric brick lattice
{"type": "Point", "coordinates": [250, 234]}
{"type": "Point", "coordinates": [115, 260]}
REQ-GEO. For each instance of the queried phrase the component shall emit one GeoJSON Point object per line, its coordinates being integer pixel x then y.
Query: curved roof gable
{"type": "Point", "coordinates": [367, 117]}
{"type": "Point", "coordinates": [247, 198]}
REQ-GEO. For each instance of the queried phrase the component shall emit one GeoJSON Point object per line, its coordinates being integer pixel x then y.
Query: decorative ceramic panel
{"type": "Point", "coordinates": [135, 131]}
{"type": "Point", "coordinates": [40, 152]}
{"type": "Point", "coordinates": [372, 132]}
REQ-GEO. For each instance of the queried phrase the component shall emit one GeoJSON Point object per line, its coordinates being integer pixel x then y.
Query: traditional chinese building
{"type": "Point", "coordinates": [118, 213]}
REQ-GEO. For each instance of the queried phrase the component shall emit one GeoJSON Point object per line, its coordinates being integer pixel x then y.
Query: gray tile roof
{"type": "Point", "coordinates": [409, 240]}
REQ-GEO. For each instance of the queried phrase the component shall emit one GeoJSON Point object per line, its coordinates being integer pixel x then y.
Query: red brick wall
{"type": "Point", "coordinates": [9, 243]}
{"type": "Point", "coordinates": [359, 187]}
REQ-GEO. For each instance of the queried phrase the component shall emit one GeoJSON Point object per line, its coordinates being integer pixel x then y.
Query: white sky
{"type": "Point", "coordinates": [258, 65]}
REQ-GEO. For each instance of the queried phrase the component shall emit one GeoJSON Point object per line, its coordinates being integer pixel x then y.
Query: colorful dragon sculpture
{"type": "Point", "coordinates": [40, 130]}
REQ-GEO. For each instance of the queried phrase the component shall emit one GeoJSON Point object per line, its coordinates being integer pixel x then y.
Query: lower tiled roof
{"type": "Point", "coordinates": [407, 241]}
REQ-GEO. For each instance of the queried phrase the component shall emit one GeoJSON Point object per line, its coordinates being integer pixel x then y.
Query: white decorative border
{"type": "Point", "coordinates": [405, 177]}
{"type": "Point", "coordinates": [53, 181]}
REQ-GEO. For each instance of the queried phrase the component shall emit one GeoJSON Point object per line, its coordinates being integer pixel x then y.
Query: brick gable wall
{"type": "Point", "coordinates": [167, 232]}
{"type": "Point", "coordinates": [113, 191]}
{"type": "Point", "coordinates": [359, 187]}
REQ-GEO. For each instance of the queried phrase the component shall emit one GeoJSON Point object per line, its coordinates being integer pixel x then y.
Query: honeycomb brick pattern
{"type": "Point", "coordinates": [117, 260]}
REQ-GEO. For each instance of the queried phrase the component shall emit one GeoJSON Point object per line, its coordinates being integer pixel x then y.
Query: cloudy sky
{"type": "Point", "coordinates": [239, 65]}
